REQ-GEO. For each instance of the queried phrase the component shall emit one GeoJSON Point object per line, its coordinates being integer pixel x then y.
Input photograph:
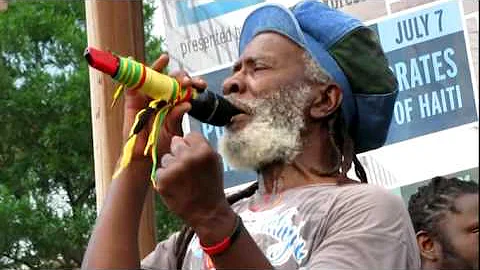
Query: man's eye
{"type": "Point", "coordinates": [258, 68]}
{"type": "Point", "coordinates": [475, 230]}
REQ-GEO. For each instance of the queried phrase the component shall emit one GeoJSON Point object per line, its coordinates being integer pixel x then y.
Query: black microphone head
{"type": "Point", "coordinates": [211, 108]}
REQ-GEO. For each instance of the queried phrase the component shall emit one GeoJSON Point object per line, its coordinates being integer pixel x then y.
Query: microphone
{"type": "Point", "coordinates": [165, 92]}
{"type": "Point", "coordinates": [207, 107]}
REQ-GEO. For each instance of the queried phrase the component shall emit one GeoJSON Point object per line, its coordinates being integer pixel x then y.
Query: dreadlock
{"type": "Point", "coordinates": [337, 127]}
{"type": "Point", "coordinates": [431, 202]}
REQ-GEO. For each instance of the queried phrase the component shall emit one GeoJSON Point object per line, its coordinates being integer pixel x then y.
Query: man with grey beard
{"type": "Point", "coordinates": [316, 90]}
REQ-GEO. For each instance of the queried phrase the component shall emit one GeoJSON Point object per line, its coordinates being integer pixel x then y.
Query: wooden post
{"type": "Point", "coordinates": [3, 5]}
{"type": "Point", "coordinates": [115, 26]}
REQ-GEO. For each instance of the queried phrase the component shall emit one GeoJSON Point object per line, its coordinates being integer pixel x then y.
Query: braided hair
{"type": "Point", "coordinates": [431, 202]}
{"type": "Point", "coordinates": [339, 136]}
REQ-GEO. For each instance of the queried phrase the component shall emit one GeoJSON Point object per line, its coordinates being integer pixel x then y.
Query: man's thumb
{"type": "Point", "coordinates": [173, 120]}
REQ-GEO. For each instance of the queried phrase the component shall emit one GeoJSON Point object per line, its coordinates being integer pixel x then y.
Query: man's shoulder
{"type": "Point", "coordinates": [351, 195]}
{"type": "Point", "coordinates": [375, 209]}
{"type": "Point", "coordinates": [368, 192]}
{"type": "Point", "coordinates": [370, 201]}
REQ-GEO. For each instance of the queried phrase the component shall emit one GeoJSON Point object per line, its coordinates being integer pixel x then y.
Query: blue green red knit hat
{"type": "Point", "coordinates": [349, 51]}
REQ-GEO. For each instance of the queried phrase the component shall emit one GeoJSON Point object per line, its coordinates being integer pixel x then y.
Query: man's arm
{"type": "Point", "coordinates": [190, 183]}
{"type": "Point", "coordinates": [114, 242]}
{"type": "Point", "coordinates": [243, 254]}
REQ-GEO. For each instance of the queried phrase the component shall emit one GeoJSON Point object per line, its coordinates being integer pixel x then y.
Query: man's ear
{"type": "Point", "coordinates": [327, 98]}
{"type": "Point", "coordinates": [429, 248]}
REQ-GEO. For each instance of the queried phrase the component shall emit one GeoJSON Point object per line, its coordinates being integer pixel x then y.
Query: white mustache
{"type": "Point", "coordinates": [247, 105]}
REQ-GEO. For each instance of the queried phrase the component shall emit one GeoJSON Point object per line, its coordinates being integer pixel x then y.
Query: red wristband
{"type": "Point", "coordinates": [226, 242]}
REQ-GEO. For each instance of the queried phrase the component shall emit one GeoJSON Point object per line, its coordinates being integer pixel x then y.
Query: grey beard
{"type": "Point", "coordinates": [273, 135]}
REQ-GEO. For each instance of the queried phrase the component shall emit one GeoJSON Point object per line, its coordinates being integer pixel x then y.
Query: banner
{"type": "Point", "coordinates": [428, 49]}
{"type": "Point", "coordinates": [427, 53]}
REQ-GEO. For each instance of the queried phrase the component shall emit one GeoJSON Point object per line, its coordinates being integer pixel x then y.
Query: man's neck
{"type": "Point", "coordinates": [317, 163]}
{"type": "Point", "coordinates": [281, 177]}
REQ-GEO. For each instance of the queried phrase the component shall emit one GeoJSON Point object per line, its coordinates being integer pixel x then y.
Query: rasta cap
{"type": "Point", "coordinates": [349, 51]}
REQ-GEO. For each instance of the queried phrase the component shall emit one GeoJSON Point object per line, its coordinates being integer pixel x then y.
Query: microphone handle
{"type": "Point", "coordinates": [207, 106]}
{"type": "Point", "coordinates": [211, 108]}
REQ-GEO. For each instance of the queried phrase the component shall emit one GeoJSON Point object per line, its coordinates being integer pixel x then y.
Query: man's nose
{"type": "Point", "coordinates": [233, 84]}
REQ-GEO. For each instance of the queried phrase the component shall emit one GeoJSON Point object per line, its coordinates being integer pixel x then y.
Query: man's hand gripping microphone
{"type": "Point", "coordinates": [165, 92]}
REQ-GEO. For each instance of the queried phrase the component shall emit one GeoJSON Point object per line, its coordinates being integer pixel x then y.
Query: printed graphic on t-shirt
{"type": "Point", "coordinates": [278, 231]}
{"type": "Point", "coordinates": [284, 229]}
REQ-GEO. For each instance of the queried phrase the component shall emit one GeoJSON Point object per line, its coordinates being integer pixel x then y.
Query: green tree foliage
{"type": "Point", "coordinates": [47, 187]}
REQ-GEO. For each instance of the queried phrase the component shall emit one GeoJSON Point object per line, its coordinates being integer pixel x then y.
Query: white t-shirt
{"type": "Point", "coordinates": [321, 226]}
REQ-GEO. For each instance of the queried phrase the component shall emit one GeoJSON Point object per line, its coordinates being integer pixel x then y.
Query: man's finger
{"type": "Point", "coordinates": [195, 138]}
{"type": "Point", "coordinates": [179, 110]}
{"type": "Point", "coordinates": [199, 84]}
{"type": "Point", "coordinates": [164, 175]}
{"type": "Point", "coordinates": [179, 74]}
{"type": "Point", "coordinates": [173, 120]}
{"type": "Point", "coordinates": [178, 146]}
{"type": "Point", "coordinates": [166, 160]}
{"type": "Point", "coordinates": [161, 62]}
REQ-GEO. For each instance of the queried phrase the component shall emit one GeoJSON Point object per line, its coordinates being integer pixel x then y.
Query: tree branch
{"type": "Point", "coordinates": [84, 194]}
{"type": "Point", "coordinates": [68, 188]}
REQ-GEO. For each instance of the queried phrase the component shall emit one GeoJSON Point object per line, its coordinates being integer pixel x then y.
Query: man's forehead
{"type": "Point", "coordinates": [467, 203]}
{"type": "Point", "coordinates": [464, 211]}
